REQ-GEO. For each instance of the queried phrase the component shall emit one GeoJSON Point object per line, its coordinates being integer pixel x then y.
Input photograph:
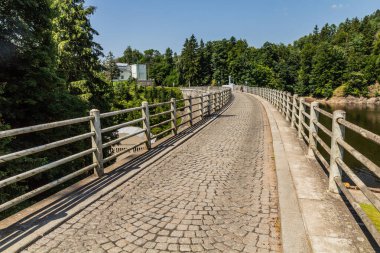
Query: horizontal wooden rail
{"type": "Point", "coordinates": [161, 123]}
{"type": "Point", "coordinates": [112, 128]}
{"type": "Point", "coordinates": [161, 133]}
{"type": "Point", "coordinates": [44, 188]}
{"type": "Point", "coordinates": [327, 114]}
{"type": "Point", "coordinates": [161, 113]}
{"type": "Point", "coordinates": [31, 129]}
{"type": "Point", "coordinates": [323, 128]}
{"type": "Point", "coordinates": [45, 147]}
{"type": "Point", "coordinates": [363, 132]}
{"type": "Point", "coordinates": [158, 104]}
{"type": "Point", "coordinates": [360, 157]}
{"type": "Point", "coordinates": [109, 114]}
{"type": "Point", "coordinates": [43, 168]}
{"type": "Point", "coordinates": [118, 140]}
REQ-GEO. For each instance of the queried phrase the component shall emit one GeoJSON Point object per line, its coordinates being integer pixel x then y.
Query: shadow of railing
{"type": "Point", "coordinates": [58, 209]}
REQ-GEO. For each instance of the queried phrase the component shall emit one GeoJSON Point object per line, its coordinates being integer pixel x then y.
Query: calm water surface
{"type": "Point", "coordinates": [368, 117]}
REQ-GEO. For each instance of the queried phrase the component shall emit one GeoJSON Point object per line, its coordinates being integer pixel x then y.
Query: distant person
{"type": "Point", "coordinates": [241, 88]}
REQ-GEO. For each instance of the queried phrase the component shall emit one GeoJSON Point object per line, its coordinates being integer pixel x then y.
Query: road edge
{"type": "Point", "coordinates": [293, 231]}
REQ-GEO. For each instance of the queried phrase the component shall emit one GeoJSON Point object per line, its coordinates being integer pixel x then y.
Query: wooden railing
{"type": "Point", "coordinates": [195, 107]}
{"type": "Point", "coordinates": [305, 116]}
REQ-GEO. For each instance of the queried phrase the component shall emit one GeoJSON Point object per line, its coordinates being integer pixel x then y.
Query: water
{"type": "Point", "coordinates": [368, 117]}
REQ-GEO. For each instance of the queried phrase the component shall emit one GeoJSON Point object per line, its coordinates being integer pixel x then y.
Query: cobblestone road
{"type": "Point", "coordinates": [214, 193]}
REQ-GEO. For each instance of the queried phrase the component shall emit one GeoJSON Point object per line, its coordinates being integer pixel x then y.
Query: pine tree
{"type": "Point", "coordinates": [189, 61]}
{"type": "Point", "coordinates": [78, 53]}
{"type": "Point", "coordinates": [111, 69]}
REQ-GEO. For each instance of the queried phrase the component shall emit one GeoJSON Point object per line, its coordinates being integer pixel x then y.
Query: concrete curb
{"type": "Point", "coordinates": [293, 232]}
{"type": "Point", "coordinates": [48, 227]}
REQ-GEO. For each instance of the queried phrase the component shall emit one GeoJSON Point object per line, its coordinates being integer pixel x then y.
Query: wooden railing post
{"type": "Point", "coordinates": [294, 111]}
{"type": "Point", "coordinates": [146, 123]}
{"type": "Point", "coordinates": [220, 100]}
{"type": "Point", "coordinates": [209, 105]}
{"type": "Point", "coordinates": [314, 115]}
{"type": "Point", "coordinates": [202, 106]}
{"type": "Point", "coordinates": [287, 106]}
{"type": "Point", "coordinates": [301, 117]}
{"type": "Point", "coordinates": [96, 142]}
{"type": "Point", "coordinates": [338, 132]}
{"type": "Point", "coordinates": [191, 110]}
{"type": "Point", "coordinates": [271, 96]}
{"type": "Point", "coordinates": [173, 108]}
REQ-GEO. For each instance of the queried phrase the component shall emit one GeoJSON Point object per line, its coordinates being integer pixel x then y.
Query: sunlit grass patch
{"type": "Point", "coordinates": [372, 213]}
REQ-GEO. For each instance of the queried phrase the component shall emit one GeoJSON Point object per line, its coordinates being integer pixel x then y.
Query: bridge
{"type": "Point", "coordinates": [234, 171]}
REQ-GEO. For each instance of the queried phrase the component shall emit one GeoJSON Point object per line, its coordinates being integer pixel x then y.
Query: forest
{"type": "Point", "coordinates": [52, 68]}
{"type": "Point", "coordinates": [335, 60]}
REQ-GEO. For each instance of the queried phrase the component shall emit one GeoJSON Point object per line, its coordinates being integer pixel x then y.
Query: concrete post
{"type": "Point", "coordinates": [191, 110]}
{"type": "Point", "coordinates": [287, 106]}
{"type": "Point", "coordinates": [314, 115]}
{"type": "Point", "coordinates": [294, 111]}
{"type": "Point", "coordinates": [173, 108]}
{"type": "Point", "coordinates": [146, 123]}
{"type": "Point", "coordinates": [301, 117]}
{"type": "Point", "coordinates": [96, 142]}
{"type": "Point", "coordinates": [338, 132]}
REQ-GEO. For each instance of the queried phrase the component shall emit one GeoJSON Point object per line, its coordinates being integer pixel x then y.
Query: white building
{"type": "Point", "coordinates": [136, 71]}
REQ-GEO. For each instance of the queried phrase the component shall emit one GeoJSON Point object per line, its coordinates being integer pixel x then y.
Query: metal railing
{"type": "Point", "coordinates": [195, 107]}
{"type": "Point", "coordinates": [305, 118]}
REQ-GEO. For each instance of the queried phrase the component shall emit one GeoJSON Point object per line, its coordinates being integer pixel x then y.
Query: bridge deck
{"type": "Point", "coordinates": [211, 194]}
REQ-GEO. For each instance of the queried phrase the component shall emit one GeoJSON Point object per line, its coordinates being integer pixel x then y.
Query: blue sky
{"type": "Point", "coordinates": [159, 24]}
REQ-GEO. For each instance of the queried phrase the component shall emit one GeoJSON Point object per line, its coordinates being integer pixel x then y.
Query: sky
{"type": "Point", "coordinates": [158, 24]}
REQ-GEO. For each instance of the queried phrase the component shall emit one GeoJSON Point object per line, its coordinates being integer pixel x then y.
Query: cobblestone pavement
{"type": "Point", "coordinates": [214, 193]}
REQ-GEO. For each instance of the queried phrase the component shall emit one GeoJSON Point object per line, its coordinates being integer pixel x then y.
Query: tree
{"type": "Point", "coordinates": [78, 53]}
{"type": "Point", "coordinates": [189, 61]}
{"type": "Point", "coordinates": [111, 69]}
{"type": "Point", "coordinates": [31, 92]}
{"type": "Point", "coordinates": [131, 56]}
{"type": "Point", "coordinates": [329, 66]}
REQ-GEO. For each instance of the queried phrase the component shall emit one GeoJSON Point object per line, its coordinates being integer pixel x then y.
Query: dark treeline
{"type": "Point", "coordinates": [343, 58]}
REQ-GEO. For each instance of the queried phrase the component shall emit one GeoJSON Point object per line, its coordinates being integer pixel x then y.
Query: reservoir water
{"type": "Point", "coordinates": [366, 116]}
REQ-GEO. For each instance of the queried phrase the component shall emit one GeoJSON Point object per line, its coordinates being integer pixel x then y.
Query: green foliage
{"type": "Point", "coordinates": [129, 94]}
{"type": "Point", "coordinates": [78, 54]}
{"type": "Point", "coordinates": [356, 84]}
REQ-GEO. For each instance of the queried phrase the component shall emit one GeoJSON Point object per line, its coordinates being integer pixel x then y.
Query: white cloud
{"type": "Point", "coordinates": [337, 6]}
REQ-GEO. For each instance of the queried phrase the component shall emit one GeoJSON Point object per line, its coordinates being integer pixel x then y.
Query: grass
{"type": "Point", "coordinates": [372, 213]}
